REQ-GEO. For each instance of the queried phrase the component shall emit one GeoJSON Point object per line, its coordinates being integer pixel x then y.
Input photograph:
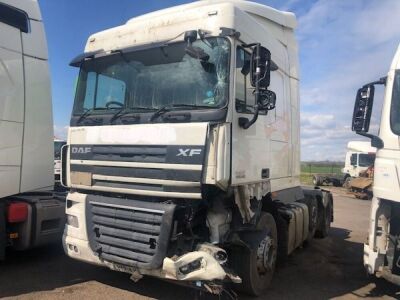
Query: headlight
{"type": "Point", "coordinates": [72, 221]}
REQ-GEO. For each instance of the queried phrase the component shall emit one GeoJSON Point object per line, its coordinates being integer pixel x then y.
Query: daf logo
{"type": "Point", "coordinates": [188, 152]}
{"type": "Point", "coordinates": [81, 150]}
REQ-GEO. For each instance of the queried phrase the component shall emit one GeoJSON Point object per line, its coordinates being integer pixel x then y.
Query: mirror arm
{"type": "Point", "coordinates": [376, 141]}
{"type": "Point", "coordinates": [381, 80]}
{"type": "Point", "coordinates": [246, 123]}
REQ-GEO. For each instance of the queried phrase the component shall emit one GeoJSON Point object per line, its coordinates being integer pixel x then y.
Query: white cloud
{"type": "Point", "coordinates": [60, 132]}
{"type": "Point", "coordinates": [343, 44]}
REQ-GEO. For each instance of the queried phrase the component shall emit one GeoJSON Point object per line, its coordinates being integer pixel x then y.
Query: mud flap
{"type": "Point", "coordinates": [250, 238]}
{"type": "Point", "coordinates": [3, 237]}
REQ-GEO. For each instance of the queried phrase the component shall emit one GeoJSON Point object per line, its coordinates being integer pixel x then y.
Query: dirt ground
{"type": "Point", "coordinates": [330, 268]}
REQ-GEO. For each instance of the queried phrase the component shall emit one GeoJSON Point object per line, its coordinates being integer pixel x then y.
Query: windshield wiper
{"type": "Point", "coordinates": [162, 110]}
{"type": "Point", "coordinates": [86, 113]}
{"type": "Point", "coordinates": [127, 110]}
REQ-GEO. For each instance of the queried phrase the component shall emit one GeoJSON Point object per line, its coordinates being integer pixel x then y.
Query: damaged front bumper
{"type": "Point", "coordinates": [203, 265]}
{"type": "Point", "coordinates": [204, 268]}
{"type": "Point", "coordinates": [133, 237]}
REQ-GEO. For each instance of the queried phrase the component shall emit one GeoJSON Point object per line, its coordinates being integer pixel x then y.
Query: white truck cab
{"type": "Point", "coordinates": [30, 215]}
{"type": "Point", "coordinates": [381, 252]}
{"type": "Point", "coordinates": [183, 149]}
{"type": "Point", "coordinates": [58, 144]}
{"type": "Point", "coordinates": [359, 157]}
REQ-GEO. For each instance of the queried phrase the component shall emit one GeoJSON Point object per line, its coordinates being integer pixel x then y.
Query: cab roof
{"type": "Point", "coordinates": [286, 19]}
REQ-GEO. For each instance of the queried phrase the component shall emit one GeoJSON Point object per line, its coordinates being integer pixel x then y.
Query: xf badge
{"type": "Point", "coordinates": [188, 152]}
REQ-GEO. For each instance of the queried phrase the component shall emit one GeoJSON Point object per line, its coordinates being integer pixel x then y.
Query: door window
{"type": "Point", "coordinates": [244, 95]}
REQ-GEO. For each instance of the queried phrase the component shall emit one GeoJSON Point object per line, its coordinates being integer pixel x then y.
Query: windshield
{"type": "Point", "coordinates": [395, 105]}
{"type": "Point", "coordinates": [153, 78]}
{"type": "Point", "coordinates": [366, 160]}
{"type": "Point", "coordinates": [57, 149]}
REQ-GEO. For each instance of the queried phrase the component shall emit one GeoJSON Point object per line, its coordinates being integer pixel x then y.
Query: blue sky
{"type": "Point", "coordinates": [343, 44]}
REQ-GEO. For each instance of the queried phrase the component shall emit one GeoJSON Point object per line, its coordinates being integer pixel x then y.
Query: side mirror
{"type": "Point", "coordinates": [260, 67]}
{"type": "Point", "coordinates": [353, 160]}
{"type": "Point", "coordinates": [363, 109]}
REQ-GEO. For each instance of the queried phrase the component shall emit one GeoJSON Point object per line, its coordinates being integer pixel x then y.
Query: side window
{"type": "Point", "coordinates": [353, 159]}
{"type": "Point", "coordinates": [244, 97]}
{"type": "Point", "coordinates": [109, 89]}
{"type": "Point", "coordinates": [14, 17]}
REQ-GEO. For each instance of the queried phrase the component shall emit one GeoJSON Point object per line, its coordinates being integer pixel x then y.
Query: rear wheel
{"type": "Point", "coordinates": [312, 205]}
{"type": "Point", "coordinates": [256, 267]}
{"type": "Point", "coordinates": [346, 183]}
{"type": "Point", "coordinates": [324, 221]}
{"type": "Point", "coordinates": [317, 180]}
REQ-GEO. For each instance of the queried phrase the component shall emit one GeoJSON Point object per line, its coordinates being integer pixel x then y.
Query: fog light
{"type": "Point", "coordinates": [190, 267]}
{"type": "Point", "coordinates": [72, 221]}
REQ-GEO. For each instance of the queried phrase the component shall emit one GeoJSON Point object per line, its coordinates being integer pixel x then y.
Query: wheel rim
{"type": "Point", "coordinates": [266, 255]}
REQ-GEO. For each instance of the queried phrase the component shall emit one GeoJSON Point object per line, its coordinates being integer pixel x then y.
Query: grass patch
{"type": "Point", "coordinates": [312, 168]}
{"type": "Point", "coordinates": [306, 179]}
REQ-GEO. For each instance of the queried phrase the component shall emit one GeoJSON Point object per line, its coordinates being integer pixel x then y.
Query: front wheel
{"type": "Point", "coordinates": [257, 266]}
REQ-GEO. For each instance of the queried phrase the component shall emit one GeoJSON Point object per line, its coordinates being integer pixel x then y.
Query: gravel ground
{"type": "Point", "coordinates": [330, 268]}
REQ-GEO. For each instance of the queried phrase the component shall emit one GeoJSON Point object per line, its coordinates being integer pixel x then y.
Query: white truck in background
{"type": "Point", "coordinates": [58, 144]}
{"type": "Point", "coordinates": [359, 157]}
{"type": "Point", "coordinates": [183, 152]}
{"type": "Point", "coordinates": [30, 213]}
{"type": "Point", "coordinates": [382, 250]}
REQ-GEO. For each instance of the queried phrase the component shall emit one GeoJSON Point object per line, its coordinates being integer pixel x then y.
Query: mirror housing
{"type": "Point", "coordinates": [267, 100]}
{"type": "Point", "coordinates": [363, 109]}
{"type": "Point", "coordinates": [260, 67]}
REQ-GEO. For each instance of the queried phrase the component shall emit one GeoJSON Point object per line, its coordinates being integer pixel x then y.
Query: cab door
{"type": "Point", "coordinates": [250, 147]}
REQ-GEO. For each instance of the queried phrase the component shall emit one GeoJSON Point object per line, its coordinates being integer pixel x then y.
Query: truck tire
{"type": "Point", "coordinates": [324, 221]}
{"type": "Point", "coordinates": [312, 205]}
{"type": "Point", "coordinates": [317, 180]}
{"type": "Point", "coordinates": [282, 229]}
{"type": "Point", "coordinates": [346, 183]}
{"type": "Point", "coordinates": [256, 267]}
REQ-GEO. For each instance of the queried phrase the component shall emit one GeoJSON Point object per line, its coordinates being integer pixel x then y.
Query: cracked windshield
{"type": "Point", "coordinates": [154, 78]}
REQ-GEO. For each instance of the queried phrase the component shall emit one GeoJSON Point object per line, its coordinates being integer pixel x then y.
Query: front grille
{"type": "Point", "coordinates": [129, 232]}
{"type": "Point", "coordinates": [164, 171]}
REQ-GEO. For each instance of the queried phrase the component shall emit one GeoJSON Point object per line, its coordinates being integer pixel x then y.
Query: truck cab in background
{"type": "Point", "coordinates": [359, 157]}
{"type": "Point", "coordinates": [30, 214]}
{"type": "Point", "coordinates": [382, 251]}
{"type": "Point", "coordinates": [183, 152]}
{"type": "Point", "coordinates": [58, 144]}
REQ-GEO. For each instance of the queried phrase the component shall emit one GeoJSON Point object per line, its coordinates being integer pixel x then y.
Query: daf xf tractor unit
{"type": "Point", "coordinates": [382, 250]}
{"type": "Point", "coordinates": [183, 152]}
{"type": "Point", "coordinates": [31, 214]}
